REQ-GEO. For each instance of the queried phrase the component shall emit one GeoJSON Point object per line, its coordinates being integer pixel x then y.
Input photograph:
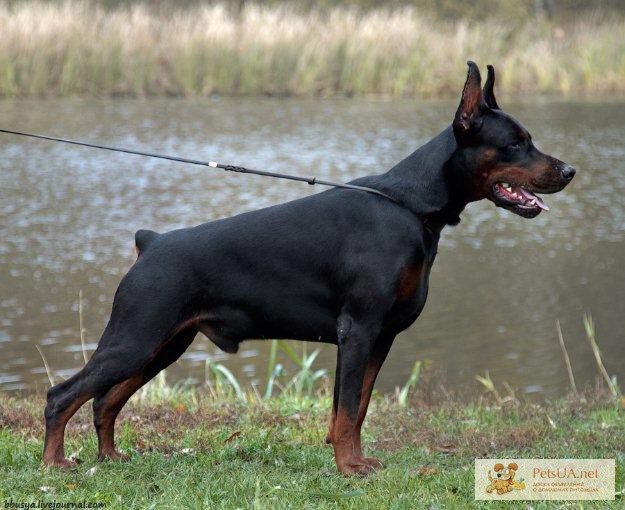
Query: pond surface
{"type": "Point", "coordinates": [68, 215]}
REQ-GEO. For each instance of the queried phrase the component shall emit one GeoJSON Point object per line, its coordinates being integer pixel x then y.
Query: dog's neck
{"type": "Point", "coordinates": [430, 182]}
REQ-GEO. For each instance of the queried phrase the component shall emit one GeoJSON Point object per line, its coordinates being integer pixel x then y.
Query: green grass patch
{"type": "Point", "coordinates": [190, 451]}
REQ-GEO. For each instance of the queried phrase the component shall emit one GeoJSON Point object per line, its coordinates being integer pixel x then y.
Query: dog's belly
{"type": "Point", "coordinates": [275, 312]}
{"type": "Point", "coordinates": [297, 318]}
{"type": "Point", "coordinates": [229, 325]}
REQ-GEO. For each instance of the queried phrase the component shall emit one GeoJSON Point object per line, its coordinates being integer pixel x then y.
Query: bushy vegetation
{"type": "Point", "coordinates": [76, 48]}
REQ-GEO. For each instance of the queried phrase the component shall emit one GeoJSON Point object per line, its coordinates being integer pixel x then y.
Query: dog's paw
{"type": "Point", "coordinates": [360, 466]}
{"type": "Point", "coordinates": [373, 462]}
{"type": "Point", "coordinates": [62, 463]}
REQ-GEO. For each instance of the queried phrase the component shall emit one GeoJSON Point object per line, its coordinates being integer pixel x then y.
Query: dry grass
{"type": "Point", "coordinates": [430, 419]}
{"type": "Point", "coordinates": [77, 48]}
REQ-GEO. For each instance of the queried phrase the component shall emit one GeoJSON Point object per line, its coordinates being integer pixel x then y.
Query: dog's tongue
{"type": "Point", "coordinates": [533, 199]}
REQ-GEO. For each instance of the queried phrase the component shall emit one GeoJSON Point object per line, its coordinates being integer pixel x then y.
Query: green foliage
{"type": "Point", "coordinates": [221, 381]}
{"type": "Point", "coordinates": [274, 369]}
{"type": "Point", "coordinates": [304, 380]}
{"type": "Point", "coordinates": [159, 390]}
{"type": "Point", "coordinates": [411, 384]}
{"type": "Point", "coordinates": [234, 455]}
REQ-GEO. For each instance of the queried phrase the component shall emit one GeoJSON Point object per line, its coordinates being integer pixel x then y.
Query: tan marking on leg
{"type": "Point", "coordinates": [371, 373]}
{"type": "Point", "coordinates": [54, 443]}
{"type": "Point", "coordinates": [114, 401]}
{"type": "Point", "coordinates": [345, 443]}
{"type": "Point", "coordinates": [331, 425]}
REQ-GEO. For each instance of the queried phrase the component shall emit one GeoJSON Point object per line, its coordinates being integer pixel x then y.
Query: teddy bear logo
{"type": "Point", "coordinates": [503, 481]}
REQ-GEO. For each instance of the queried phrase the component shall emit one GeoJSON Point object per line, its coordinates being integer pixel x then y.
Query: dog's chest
{"type": "Point", "coordinates": [410, 294]}
{"type": "Point", "coordinates": [409, 283]}
{"type": "Point", "coordinates": [411, 291]}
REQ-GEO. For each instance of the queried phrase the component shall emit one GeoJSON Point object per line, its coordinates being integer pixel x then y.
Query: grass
{"type": "Point", "coordinates": [220, 445]}
{"type": "Point", "coordinates": [191, 451]}
{"type": "Point", "coordinates": [76, 48]}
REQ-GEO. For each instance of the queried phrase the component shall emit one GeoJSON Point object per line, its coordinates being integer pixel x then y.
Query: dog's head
{"type": "Point", "coordinates": [505, 473]}
{"type": "Point", "coordinates": [500, 160]}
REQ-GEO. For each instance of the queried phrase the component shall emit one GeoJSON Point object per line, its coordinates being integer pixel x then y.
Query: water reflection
{"type": "Point", "coordinates": [69, 215]}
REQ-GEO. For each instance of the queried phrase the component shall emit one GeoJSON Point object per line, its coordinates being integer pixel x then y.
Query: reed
{"type": "Point", "coordinates": [46, 365]}
{"type": "Point", "coordinates": [611, 382]}
{"type": "Point", "coordinates": [221, 382]}
{"type": "Point", "coordinates": [412, 382]}
{"type": "Point", "coordinates": [76, 48]}
{"type": "Point", "coordinates": [567, 360]}
{"type": "Point", "coordinates": [82, 329]}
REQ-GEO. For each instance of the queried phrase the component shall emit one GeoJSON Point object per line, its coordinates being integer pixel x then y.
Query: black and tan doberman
{"type": "Point", "coordinates": [344, 267]}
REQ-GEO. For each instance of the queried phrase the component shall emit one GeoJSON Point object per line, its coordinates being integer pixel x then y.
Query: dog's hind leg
{"type": "Point", "coordinates": [140, 323]}
{"type": "Point", "coordinates": [60, 408]}
{"type": "Point", "coordinates": [107, 406]}
{"type": "Point", "coordinates": [101, 372]}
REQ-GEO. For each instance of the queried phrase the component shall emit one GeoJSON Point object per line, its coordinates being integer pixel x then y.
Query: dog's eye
{"type": "Point", "coordinates": [515, 147]}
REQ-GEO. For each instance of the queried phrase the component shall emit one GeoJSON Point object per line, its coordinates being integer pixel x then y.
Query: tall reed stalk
{"type": "Point", "coordinates": [83, 348]}
{"type": "Point", "coordinates": [77, 48]}
{"type": "Point", "coordinates": [611, 382]}
{"type": "Point", "coordinates": [567, 360]}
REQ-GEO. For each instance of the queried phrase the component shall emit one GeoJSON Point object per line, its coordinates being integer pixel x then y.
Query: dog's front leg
{"type": "Point", "coordinates": [376, 360]}
{"type": "Point", "coordinates": [335, 400]}
{"type": "Point", "coordinates": [355, 346]}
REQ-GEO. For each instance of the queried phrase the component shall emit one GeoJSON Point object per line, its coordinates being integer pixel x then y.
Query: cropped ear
{"type": "Point", "coordinates": [469, 114]}
{"type": "Point", "coordinates": [489, 94]}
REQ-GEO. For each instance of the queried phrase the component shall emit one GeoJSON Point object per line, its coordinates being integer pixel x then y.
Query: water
{"type": "Point", "coordinates": [68, 216]}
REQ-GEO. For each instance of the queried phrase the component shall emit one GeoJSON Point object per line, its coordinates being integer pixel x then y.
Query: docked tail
{"type": "Point", "coordinates": [143, 239]}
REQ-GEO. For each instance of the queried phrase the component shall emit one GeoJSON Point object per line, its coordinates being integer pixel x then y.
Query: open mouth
{"type": "Point", "coordinates": [519, 199]}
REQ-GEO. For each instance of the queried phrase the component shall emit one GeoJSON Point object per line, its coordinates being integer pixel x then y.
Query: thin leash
{"type": "Point", "coordinates": [212, 164]}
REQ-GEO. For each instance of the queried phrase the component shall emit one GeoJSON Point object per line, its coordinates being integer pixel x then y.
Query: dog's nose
{"type": "Point", "coordinates": [568, 172]}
